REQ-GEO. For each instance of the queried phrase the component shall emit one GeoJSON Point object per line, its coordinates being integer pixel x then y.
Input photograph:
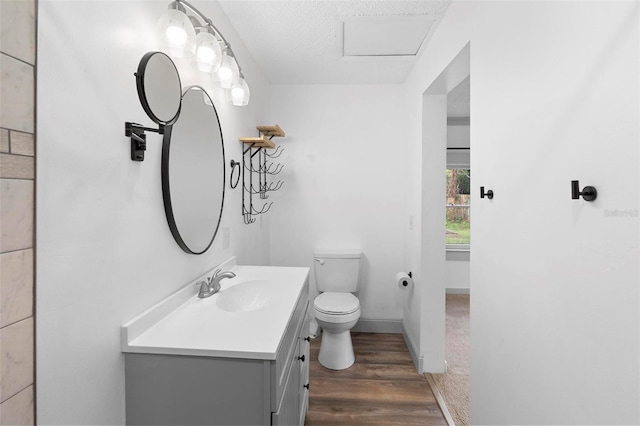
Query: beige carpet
{"type": "Point", "coordinates": [454, 384]}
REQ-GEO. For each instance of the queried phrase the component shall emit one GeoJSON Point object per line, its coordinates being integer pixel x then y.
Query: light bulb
{"type": "Point", "coordinates": [225, 73]}
{"type": "Point", "coordinates": [208, 53]}
{"type": "Point", "coordinates": [239, 93]}
{"type": "Point", "coordinates": [176, 36]}
{"type": "Point", "coordinates": [205, 54]}
{"type": "Point", "coordinates": [228, 73]}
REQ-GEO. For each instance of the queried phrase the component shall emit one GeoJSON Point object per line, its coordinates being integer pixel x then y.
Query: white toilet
{"type": "Point", "coordinates": [336, 309]}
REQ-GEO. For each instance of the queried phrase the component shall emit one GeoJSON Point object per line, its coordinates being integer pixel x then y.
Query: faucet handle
{"type": "Point", "coordinates": [204, 288]}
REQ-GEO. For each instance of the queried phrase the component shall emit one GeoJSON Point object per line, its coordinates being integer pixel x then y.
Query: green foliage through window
{"type": "Point", "coordinates": [458, 226]}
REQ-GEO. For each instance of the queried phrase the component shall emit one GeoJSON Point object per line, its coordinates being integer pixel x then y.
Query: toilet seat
{"type": "Point", "coordinates": [336, 319]}
{"type": "Point", "coordinates": [332, 303]}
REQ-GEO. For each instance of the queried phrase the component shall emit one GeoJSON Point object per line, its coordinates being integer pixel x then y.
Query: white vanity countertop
{"type": "Point", "coordinates": [184, 324]}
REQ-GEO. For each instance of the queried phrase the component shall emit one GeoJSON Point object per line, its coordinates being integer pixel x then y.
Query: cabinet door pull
{"type": "Point", "coordinates": [306, 386]}
{"type": "Point", "coordinates": [301, 358]}
{"type": "Point", "coordinates": [308, 338]}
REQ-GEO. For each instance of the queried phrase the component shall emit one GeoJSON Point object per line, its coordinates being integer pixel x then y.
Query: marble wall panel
{"type": "Point", "coordinates": [18, 410]}
{"type": "Point", "coordinates": [22, 143]}
{"type": "Point", "coordinates": [4, 140]}
{"type": "Point", "coordinates": [16, 358]}
{"type": "Point", "coordinates": [16, 286]}
{"type": "Point", "coordinates": [17, 29]}
{"type": "Point", "coordinates": [16, 211]}
{"type": "Point", "coordinates": [16, 94]}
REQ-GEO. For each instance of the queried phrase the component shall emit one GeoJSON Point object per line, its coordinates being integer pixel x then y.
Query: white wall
{"type": "Point", "coordinates": [458, 136]}
{"type": "Point", "coordinates": [555, 323]}
{"type": "Point", "coordinates": [344, 183]}
{"type": "Point", "coordinates": [458, 272]}
{"type": "Point", "coordinates": [104, 249]}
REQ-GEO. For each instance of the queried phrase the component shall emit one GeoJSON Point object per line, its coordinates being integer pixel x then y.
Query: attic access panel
{"type": "Point", "coordinates": [391, 35]}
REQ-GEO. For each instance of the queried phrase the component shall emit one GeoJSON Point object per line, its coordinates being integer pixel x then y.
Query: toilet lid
{"type": "Point", "coordinates": [336, 303]}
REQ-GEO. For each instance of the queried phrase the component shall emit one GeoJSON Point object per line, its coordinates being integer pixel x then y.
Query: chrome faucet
{"type": "Point", "coordinates": [212, 285]}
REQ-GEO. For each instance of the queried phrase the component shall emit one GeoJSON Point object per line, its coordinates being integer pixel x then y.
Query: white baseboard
{"type": "Point", "coordinates": [418, 360]}
{"type": "Point", "coordinates": [458, 291]}
{"type": "Point", "coordinates": [379, 326]}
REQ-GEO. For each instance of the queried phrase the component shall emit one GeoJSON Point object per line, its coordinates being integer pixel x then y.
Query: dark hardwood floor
{"type": "Point", "coordinates": [381, 388]}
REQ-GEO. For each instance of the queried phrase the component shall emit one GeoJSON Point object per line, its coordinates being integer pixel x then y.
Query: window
{"type": "Point", "coordinates": [458, 227]}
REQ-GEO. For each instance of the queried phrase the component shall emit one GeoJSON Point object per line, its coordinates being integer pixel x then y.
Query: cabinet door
{"type": "Point", "coordinates": [303, 355]}
{"type": "Point", "coordinates": [289, 411]}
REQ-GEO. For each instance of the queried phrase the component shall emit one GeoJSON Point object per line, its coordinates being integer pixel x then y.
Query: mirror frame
{"type": "Point", "coordinates": [142, 92]}
{"type": "Point", "coordinates": [166, 191]}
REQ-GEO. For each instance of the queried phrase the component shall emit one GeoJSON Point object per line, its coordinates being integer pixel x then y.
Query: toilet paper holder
{"type": "Point", "coordinates": [405, 283]}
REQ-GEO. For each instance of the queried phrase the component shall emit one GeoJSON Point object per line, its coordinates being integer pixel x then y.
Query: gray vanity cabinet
{"type": "Point", "coordinates": [189, 390]}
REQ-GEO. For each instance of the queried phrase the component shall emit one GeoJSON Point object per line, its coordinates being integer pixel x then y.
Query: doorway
{"type": "Point", "coordinates": [453, 385]}
{"type": "Point", "coordinates": [437, 114]}
{"type": "Point", "coordinates": [433, 257]}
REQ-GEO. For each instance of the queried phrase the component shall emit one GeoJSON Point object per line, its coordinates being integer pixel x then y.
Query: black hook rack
{"type": "Point", "coordinates": [589, 193]}
{"type": "Point", "coordinates": [138, 138]}
{"type": "Point", "coordinates": [488, 194]}
{"type": "Point", "coordinates": [256, 165]}
{"type": "Point", "coordinates": [279, 150]}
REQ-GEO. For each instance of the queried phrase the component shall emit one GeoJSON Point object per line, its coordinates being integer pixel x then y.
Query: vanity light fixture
{"type": "Point", "coordinates": [176, 33]}
{"type": "Point", "coordinates": [239, 93]}
{"type": "Point", "coordinates": [229, 72]}
{"type": "Point", "coordinates": [209, 50]}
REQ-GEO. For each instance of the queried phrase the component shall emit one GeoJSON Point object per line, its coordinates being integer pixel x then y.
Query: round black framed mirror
{"type": "Point", "coordinates": [159, 88]}
{"type": "Point", "coordinates": [193, 172]}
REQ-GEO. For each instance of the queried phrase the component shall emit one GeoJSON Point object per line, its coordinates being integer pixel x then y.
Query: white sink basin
{"type": "Point", "coordinates": [245, 296]}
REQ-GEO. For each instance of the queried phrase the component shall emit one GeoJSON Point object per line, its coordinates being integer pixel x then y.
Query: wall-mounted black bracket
{"type": "Point", "coordinates": [138, 138]}
{"type": "Point", "coordinates": [488, 194]}
{"type": "Point", "coordinates": [589, 193]}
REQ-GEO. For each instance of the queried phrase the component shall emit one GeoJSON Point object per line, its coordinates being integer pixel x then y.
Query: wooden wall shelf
{"type": "Point", "coordinates": [264, 140]}
{"type": "Point", "coordinates": [259, 142]}
{"type": "Point", "coordinates": [271, 131]}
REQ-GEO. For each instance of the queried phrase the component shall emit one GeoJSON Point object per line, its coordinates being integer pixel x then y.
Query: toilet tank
{"type": "Point", "coordinates": [337, 270]}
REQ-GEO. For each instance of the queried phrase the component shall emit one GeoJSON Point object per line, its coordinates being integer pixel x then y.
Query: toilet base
{"type": "Point", "coordinates": [336, 350]}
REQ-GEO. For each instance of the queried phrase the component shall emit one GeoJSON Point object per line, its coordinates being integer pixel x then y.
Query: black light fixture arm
{"type": "Point", "coordinates": [139, 139]}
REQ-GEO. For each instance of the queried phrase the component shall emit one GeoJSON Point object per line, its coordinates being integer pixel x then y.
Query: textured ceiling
{"type": "Point", "coordinates": [301, 41]}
